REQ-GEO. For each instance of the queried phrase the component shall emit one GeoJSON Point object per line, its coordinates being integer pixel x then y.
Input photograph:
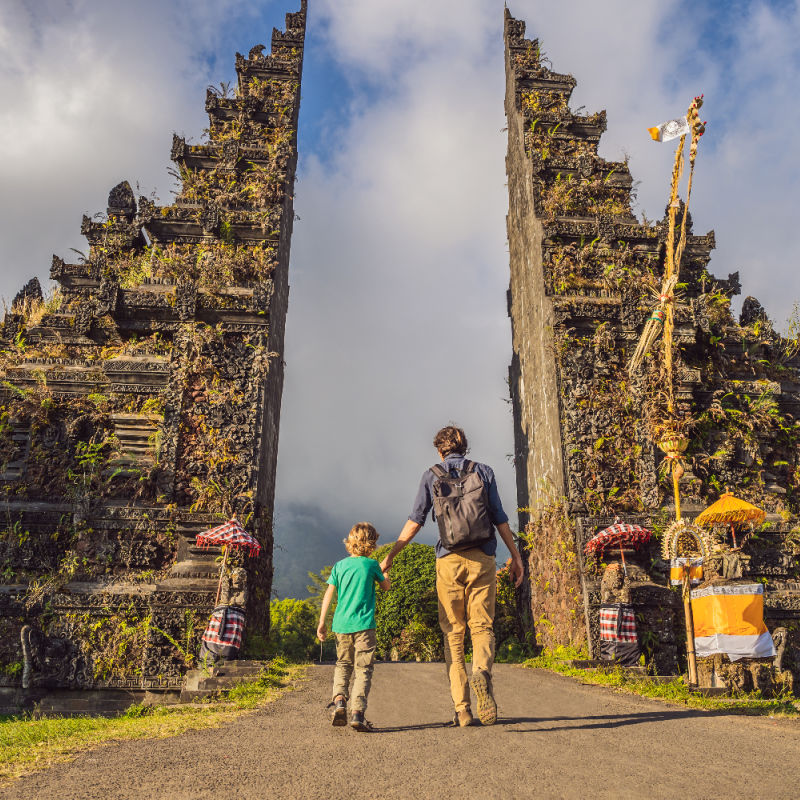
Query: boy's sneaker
{"type": "Point", "coordinates": [339, 714]}
{"type": "Point", "coordinates": [481, 683]}
{"type": "Point", "coordinates": [357, 722]}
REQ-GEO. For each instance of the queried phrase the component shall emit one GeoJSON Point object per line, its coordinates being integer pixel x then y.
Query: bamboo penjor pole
{"type": "Point", "coordinates": [672, 441]}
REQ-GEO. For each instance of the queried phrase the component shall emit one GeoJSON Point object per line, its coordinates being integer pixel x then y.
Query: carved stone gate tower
{"type": "Point", "coordinates": [140, 403]}
{"type": "Point", "coordinates": [585, 275]}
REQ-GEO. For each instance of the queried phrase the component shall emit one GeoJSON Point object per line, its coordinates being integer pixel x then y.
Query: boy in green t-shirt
{"type": "Point", "coordinates": [354, 581]}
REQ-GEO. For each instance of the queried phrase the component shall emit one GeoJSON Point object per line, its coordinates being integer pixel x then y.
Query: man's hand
{"type": "Point", "coordinates": [386, 565]}
{"type": "Point", "coordinates": [516, 571]}
{"type": "Point", "coordinates": [322, 631]}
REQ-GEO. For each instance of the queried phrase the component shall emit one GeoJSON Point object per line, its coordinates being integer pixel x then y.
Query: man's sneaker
{"type": "Point", "coordinates": [481, 683]}
{"type": "Point", "coordinates": [463, 719]}
{"type": "Point", "coordinates": [357, 722]}
{"type": "Point", "coordinates": [339, 715]}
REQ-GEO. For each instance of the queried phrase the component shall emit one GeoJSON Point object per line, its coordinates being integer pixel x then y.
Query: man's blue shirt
{"type": "Point", "coordinates": [424, 500]}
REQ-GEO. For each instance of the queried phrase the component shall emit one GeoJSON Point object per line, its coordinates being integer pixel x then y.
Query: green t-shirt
{"type": "Point", "coordinates": [354, 579]}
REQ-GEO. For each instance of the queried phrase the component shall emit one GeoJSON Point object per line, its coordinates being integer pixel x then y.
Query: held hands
{"type": "Point", "coordinates": [386, 565]}
{"type": "Point", "coordinates": [322, 631]}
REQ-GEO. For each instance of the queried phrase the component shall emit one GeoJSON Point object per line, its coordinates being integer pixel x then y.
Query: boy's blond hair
{"type": "Point", "coordinates": [362, 539]}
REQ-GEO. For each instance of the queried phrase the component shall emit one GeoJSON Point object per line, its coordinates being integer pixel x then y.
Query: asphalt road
{"type": "Point", "coordinates": [554, 738]}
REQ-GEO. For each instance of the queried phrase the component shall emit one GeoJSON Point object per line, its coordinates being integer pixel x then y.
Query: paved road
{"type": "Point", "coordinates": [554, 738]}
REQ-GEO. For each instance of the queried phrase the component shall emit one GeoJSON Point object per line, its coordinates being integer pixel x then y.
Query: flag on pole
{"type": "Point", "coordinates": [730, 619]}
{"type": "Point", "coordinates": [670, 130]}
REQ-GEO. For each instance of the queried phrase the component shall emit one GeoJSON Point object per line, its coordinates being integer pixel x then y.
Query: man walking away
{"type": "Point", "coordinates": [466, 504]}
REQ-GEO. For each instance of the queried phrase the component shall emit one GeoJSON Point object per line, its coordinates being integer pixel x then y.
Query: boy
{"type": "Point", "coordinates": [353, 623]}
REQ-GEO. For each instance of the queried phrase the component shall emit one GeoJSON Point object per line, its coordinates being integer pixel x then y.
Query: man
{"type": "Point", "coordinates": [466, 574]}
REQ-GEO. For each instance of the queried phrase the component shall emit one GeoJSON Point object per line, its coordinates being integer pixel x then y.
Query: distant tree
{"type": "Point", "coordinates": [407, 616]}
{"type": "Point", "coordinates": [318, 586]}
{"type": "Point", "coordinates": [293, 629]}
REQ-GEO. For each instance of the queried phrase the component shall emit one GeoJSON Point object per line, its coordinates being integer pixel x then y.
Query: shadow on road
{"type": "Point", "coordinates": [604, 720]}
{"type": "Point", "coordinates": [422, 727]}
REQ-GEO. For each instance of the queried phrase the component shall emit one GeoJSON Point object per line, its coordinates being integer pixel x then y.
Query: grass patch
{"type": "Point", "coordinates": [675, 691]}
{"type": "Point", "coordinates": [28, 744]}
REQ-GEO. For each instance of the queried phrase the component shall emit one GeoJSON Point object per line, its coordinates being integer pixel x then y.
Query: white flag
{"type": "Point", "coordinates": [670, 130]}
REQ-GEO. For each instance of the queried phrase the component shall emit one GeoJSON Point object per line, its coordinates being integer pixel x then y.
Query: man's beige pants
{"type": "Point", "coordinates": [466, 585]}
{"type": "Point", "coordinates": [355, 652]}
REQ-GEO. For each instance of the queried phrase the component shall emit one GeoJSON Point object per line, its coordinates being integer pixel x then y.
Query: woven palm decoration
{"type": "Point", "coordinates": [682, 539]}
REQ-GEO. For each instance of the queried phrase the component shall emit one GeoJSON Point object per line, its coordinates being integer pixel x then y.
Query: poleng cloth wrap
{"type": "Point", "coordinates": [730, 619]}
{"type": "Point", "coordinates": [225, 627]}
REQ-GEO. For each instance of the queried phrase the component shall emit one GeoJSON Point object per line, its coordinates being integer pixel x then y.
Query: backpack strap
{"type": "Point", "coordinates": [469, 466]}
{"type": "Point", "coordinates": [439, 471]}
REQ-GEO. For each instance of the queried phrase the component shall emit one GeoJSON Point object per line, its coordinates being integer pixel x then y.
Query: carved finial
{"type": "Point", "coordinates": [121, 202]}
{"type": "Point", "coordinates": [32, 290]}
{"type": "Point", "coordinates": [256, 52]}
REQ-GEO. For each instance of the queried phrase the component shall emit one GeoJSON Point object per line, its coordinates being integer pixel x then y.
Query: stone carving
{"type": "Point", "coordinates": [121, 201]}
{"type": "Point", "coordinates": [149, 390]}
{"type": "Point", "coordinates": [615, 586]}
{"type": "Point", "coordinates": [32, 290]}
{"type": "Point", "coordinates": [583, 430]}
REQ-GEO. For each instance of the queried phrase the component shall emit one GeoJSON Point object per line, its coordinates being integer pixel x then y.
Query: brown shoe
{"type": "Point", "coordinates": [339, 714]}
{"type": "Point", "coordinates": [463, 719]}
{"type": "Point", "coordinates": [357, 722]}
{"type": "Point", "coordinates": [481, 683]}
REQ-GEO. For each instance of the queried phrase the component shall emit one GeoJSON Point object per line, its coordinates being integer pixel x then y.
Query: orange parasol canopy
{"type": "Point", "coordinates": [730, 509]}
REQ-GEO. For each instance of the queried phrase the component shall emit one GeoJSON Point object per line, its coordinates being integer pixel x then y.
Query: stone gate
{"type": "Point", "coordinates": [585, 274]}
{"type": "Point", "coordinates": [140, 403]}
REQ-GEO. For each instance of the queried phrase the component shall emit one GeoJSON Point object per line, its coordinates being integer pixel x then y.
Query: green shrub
{"type": "Point", "coordinates": [410, 606]}
{"type": "Point", "coordinates": [514, 641]}
{"type": "Point", "coordinates": [293, 629]}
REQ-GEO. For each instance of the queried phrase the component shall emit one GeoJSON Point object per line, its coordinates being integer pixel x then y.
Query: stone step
{"type": "Point", "coordinates": [200, 683]}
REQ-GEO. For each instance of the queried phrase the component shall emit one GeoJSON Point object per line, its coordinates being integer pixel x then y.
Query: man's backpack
{"type": "Point", "coordinates": [461, 507]}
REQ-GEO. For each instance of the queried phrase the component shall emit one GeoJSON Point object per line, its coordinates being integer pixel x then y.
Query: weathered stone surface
{"type": "Point", "coordinates": [585, 275]}
{"type": "Point", "coordinates": [140, 406]}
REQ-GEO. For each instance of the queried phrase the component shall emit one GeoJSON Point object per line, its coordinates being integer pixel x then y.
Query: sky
{"type": "Point", "coordinates": [397, 318]}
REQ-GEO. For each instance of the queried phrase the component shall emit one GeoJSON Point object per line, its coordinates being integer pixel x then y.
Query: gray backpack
{"type": "Point", "coordinates": [461, 507]}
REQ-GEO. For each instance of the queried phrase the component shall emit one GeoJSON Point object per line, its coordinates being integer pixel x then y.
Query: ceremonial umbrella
{"type": "Point", "coordinates": [617, 534]}
{"type": "Point", "coordinates": [230, 535]}
{"type": "Point", "coordinates": [729, 510]}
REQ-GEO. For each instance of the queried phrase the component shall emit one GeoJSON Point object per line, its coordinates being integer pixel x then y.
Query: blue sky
{"type": "Point", "coordinates": [401, 195]}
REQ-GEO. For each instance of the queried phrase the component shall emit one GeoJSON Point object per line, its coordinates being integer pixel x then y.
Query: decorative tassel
{"type": "Point", "coordinates": [653, 327]}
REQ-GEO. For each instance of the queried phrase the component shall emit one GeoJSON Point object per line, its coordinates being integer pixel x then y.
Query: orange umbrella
{"type": "Point", "coordinates": [729, 510]}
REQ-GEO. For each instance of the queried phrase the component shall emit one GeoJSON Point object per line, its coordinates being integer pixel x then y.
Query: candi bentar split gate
{"type": "Point", "coordinates": [140, 403]}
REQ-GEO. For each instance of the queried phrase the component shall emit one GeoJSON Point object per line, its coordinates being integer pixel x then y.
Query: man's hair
{"type": "Point", "coordinates": [451, 440]}
{"type": "Point", "coordinates": [362, 539]}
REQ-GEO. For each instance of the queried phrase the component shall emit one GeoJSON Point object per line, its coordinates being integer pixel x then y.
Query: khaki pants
{"type": "Point", "coordinates": [466, 585]}
{"type": "Point", "coordinates": [354, 652]}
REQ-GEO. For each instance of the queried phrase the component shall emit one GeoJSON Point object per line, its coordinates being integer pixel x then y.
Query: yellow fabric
{"type": "Point", "coordinates": [466, 585]}
{"type": "Point", "coordinates": [730, 614]}
{"type": "Point", "coordinates": [695, 573]}
{"type": "Point", "coordinates": [730, 509]}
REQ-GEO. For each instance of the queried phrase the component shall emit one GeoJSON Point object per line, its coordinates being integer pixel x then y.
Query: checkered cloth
{"type": "Point", "coordinates": [225, 627]}
{"type": "Point", "coordinates": [229, 534]}
{"type": "Point", "coordinates": [620, 533]}
{"type": "Point", "coordinates": [617, 623]}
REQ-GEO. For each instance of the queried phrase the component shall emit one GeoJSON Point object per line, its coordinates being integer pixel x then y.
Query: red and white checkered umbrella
{"type": "Point", "coordinates": [617, 534]}
{"type": "Point", "coordinates": [230, 535]}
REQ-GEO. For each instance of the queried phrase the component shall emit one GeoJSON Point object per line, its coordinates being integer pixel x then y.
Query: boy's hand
{"type": "Point", "coordinates": [322, 631]}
